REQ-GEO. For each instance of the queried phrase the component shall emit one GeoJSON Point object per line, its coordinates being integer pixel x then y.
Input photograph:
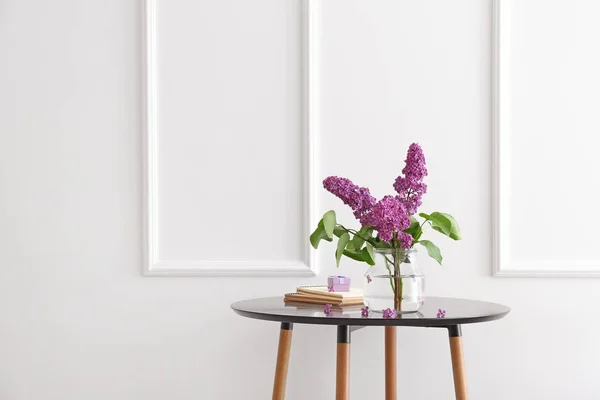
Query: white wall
{"type": "Point", "coordinates": [78, 320]}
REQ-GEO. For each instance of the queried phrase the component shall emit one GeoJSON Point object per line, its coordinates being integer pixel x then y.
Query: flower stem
{"type": "Point", "coordinates": [387, 266]}
{"type": "Point", "coordinates": [398, 285]}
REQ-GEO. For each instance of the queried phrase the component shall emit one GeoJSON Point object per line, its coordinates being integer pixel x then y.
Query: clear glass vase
{"type": "Point", "coordinates": [395, 282]}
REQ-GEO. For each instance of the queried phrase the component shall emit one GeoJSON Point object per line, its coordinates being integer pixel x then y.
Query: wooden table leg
{"type": "Point", "coordinates": [283, 357]}
{"type": "Point", "coordinates": [342, 383]}
{"type": "Point", "coordinates": [391, 391]}
{"type": "Point", "coordinates": [458, 363]}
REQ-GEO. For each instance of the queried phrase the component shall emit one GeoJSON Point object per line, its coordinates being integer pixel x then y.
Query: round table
{"type": "Point", "coordinates": [457, 312]}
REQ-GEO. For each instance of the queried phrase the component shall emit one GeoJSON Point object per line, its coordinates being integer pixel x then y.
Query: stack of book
{"type": "Point", "coordinates": [321, 295]}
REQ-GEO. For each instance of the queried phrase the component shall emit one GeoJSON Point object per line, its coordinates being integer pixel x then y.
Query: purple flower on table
{"type": "Point", "coordinates": [327, 309]}
{"type": "Point", "coordinates": [441, 313]}
{"type": "Point", "coordinates": [364, 311]}
{"type": "Point", "coordinates": [330, 288]}
{"type": "Point", "coordinates": [390, 313]}
{"type": "Point", "coordinates": [389, 215]}
{"type": "Point", "coordinates": [369, 279]}
{"type": "Point", "coordinates": [410, 187]}
{"type": "Point", "coordinates": [358, 198]}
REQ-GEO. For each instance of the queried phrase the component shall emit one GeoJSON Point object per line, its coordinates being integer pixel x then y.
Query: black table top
{"type": "Point", "coordinates": [458, 311]}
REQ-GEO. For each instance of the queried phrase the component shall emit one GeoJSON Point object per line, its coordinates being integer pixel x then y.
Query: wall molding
{"type": "Point", "coordinates": [503, 265]}
{"type": "Point", "coordinates": [153, 266]}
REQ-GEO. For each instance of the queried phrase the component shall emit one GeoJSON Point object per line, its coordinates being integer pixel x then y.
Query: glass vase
{"type": "Point", "coordinates": [395, 282]}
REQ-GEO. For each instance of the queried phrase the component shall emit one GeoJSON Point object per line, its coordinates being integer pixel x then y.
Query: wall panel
{"type": "Point", "coordinates": [228, 139]}
{"type": "Point", "coordinates": [547, 136]}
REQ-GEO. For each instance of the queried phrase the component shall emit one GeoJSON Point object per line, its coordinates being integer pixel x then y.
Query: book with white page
{"type": "Point", "coordinates": [322, 290]}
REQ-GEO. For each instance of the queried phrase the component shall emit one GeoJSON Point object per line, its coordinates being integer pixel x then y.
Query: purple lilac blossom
{"type": "Point", "coordinates": [369, 279]}
{"type": "Point", "coordinates": [388, 215]}
{"type": "Point", "coordinates": [327, 309]}
{"type": "Point", "coordinates": [390, 313]}
{"type": "Point", "coordinates": [330, 288]}
{"type": "Point", "coordinates": [364, 311]}
{"type": "Point", "coordinates": [410, 187]}
{"type": "Point", "coordinates": [441, 313]}
{"type": "Point", "coordinates": [358, 198]}
{"type": "Point", "coordinates": [405, 239]}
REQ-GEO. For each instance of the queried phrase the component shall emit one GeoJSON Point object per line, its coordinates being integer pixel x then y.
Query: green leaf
{"type": "Point", "coordinates": [353, 255]}
{"type": "Point", "coordinates": [413, 229]}
{"type": "Point", "coordinates": [442, 222]}
{"type": "Point", "coordinates": [367, 254]}
{"type": "Point", "coordinates": [338, 231]}
{"type": "Point", "coordinates": [426, 216]}
{"type": "Point", "coordinates": [454, 228]}
{"type": "Point", "coordinates": [432, 250]}
{"type": "Point", "coordinates": [437, 228]}
{"type": "Point", "coordinates": [350, 246]}
{"type": "Point", "coordinates": [341, 246]}
{"type": "Point", "coordinates": [318, 235]}
{"type": "Point", "coordinates": [446, 224]}
{"type": "Point", "coordinates": [452, 235]}
{"type": "Point", "coordinates": [329, 223]}
{"type": "Point", "coordinates": [365, 232]}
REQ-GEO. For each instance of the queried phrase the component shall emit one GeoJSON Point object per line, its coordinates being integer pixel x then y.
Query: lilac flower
{"type": "Point", "coordinates": [405, 240]}
{"type": "Point", "coordinates": [390, 313]}
{"type": "Point", "coordinates": [364, 311]}
{"type": "Point", "coordinates": [415, 162]}
{"type": "Point", "coordinates": [369, 279]}
{"type": "Point", "coordinates": [410, 187]}
{"type": "Point", "coordinates": [412, 194]}
{"type": "Point", "coordinates": [441, 313]}
{"type": "Point", "coordinates": [327, 309]}
{"type": "Point", "coordinates": [358, 198]}
{"type": "Point", "coordinates": [330, 288]}
{"type": "Point", "coordinates": [388, 215]}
